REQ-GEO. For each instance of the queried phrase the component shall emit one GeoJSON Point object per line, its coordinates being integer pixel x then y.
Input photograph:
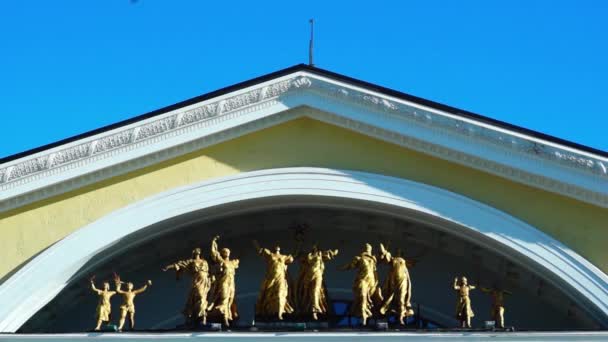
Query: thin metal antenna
{"type": "Point", "coordinates": [310, 45]}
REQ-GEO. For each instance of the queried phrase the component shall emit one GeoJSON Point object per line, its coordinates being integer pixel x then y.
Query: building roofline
{"type": "Point", "coordinates": [320, 72]}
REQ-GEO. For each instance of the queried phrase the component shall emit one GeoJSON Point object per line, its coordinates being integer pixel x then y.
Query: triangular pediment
{"type": "Point", "coordinates": [464, 138]}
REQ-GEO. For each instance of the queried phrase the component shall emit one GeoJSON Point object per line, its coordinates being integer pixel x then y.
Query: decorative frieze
{"type": "Point", "coordinates": [69, 155]}
{"type": "Point", "coordinates": [113, 141]}
{"type": "Point", "coordinates": [456, 125]}
{"type": "Point", "coordinates": [168, 125]}
{"type": "Point", "coordinates": [156, 127]}
{"type": "Point", "coordinates": [28, 167]}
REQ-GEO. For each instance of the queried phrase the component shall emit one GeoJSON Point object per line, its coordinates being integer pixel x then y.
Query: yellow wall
{"type": "Point", "coordinates": [304, 142]}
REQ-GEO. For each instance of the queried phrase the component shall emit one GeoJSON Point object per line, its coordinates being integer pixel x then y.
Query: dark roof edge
{"type": "Point", "coordinates": [321, 72]}
{"type": "Point", "coordinates": [157, 112]}
{"type": "Point", "coordinates": [454, 111]}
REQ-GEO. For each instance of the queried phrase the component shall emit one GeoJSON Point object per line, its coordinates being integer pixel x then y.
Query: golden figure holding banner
{"type": "Point", "coordinates": [195, 309]}
{"type": "Point", "coordinates": [272, 299]}
{"type": "Point", "coordinates": [365, 286]}
{"type": "Point", "coordinates": [397, 288]}
{"type": "Point", "coordinates": [222, 296]}
{"type": "Point", "coordinates": [310, 292]}
{"type": "Point", "coordinates": [464, 311]}
{"type": "Point", "coordinates": [128, 305]}
{"type": "Point", "coordinates": [104, 308]}
{"type": "Point", "coordinates": [498, 309]}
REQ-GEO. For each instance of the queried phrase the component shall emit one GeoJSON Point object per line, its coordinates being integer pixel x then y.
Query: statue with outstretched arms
{"type": "Point", "coordinates": [397, 288]}
{"type": "Point", "coordinates": [224, 289]}
{"type": "Point", "coordinates": [464, 310]}
{"type": "Point", "coordinates": [128, 305]}
{"type": "Point", "coordinates": [274, 291]}
{"type": "Point", "coordinates": [195, 309]}
{"type": "Point", "coordinates": [498, 309]}
{"type": "Point", "coordinates": [365, 286]}
{"type": "Point", "coordinates": [311, 296]}
{"type": "Point", "coordinates": [104, 307]}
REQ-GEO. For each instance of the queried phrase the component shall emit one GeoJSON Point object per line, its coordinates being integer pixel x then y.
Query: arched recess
{"type": "Point", "coordinates": [39, 281]}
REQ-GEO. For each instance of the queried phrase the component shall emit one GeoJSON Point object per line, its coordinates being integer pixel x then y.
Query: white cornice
{"type": "Point", "coordinates": [521, 158]}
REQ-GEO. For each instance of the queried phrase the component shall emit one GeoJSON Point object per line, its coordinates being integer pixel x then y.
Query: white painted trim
{"type": "Point", "coordinates": [40, 280]}
{"type": "Point", "coordinates": [521, 158]}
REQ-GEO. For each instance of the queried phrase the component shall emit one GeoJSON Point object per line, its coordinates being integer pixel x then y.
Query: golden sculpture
{"type": "Point", "coordinates": [104, 308]}
{"type": "Point", "coordinates": [365, 286]}
{"type": "Point", "coordinates": [498, 309]}
{"type": "Point", "coordinates": [272, 299]}
{"type": "Point", "coordinates": [397, 288]}
{"type": "Point", "coordinates": [128, 305]}
{"type": "Point", "coordinates": [464, 311]}
{"type": "Point", "coordinates": [222, 296]}
{"type": "Point", "coordinates": [310, 292]}
{"type": "Point", "coordinates": [195, 309]}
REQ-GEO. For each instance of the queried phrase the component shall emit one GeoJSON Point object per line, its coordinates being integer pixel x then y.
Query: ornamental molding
{"type": "Point", "coordinates": [493, 149]}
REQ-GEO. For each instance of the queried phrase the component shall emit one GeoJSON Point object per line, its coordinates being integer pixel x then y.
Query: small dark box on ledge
{"type": "Point", "coordinates": [380, 326]}
{"type": "Point", "coordinates": [109, 328]}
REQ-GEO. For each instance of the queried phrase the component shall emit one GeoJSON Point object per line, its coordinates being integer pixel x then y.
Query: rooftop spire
{"type": "Point", "coordinates": [310, 45]}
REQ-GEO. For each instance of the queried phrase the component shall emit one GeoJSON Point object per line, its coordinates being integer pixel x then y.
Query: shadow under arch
{"type": "Point", "coordinates": [38, 282]}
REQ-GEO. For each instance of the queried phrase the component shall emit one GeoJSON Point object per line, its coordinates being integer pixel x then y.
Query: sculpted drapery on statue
{"type": "Point", "coordinates": [464, 311]}
{"type": "Point", "coordinates": [224, 289]}
{"type": "Point", "coordinates": [310, 291]}
{"type": "Point", "coordinates": [104, 308]}
{"type": "Point", "coordinates": [128, 305]}
{"type": "Point", "coordinates": [195, 309]}
{"type": "Point", "coordinates": [397, 288]}
{"type": "Point", "coordinates": [272, 300]}
{"type": "Point", "coordinates": [365, 286]}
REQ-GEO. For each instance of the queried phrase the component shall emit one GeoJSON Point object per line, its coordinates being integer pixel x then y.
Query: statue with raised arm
{"type": "Point", "coordinates": [272, 300]}
{"type": "Point", "coordinates": [397, 288]}
{"type": "Point", "coordinates": [311, 297]}
{"type": "Point", "coordinates": [222, 296]}
{"type": "Point", "coordinates": [128, 305]}
{"type": "Point", "coordinates": [195, 310]}
{"type": "Point", "coordinates": [464, 311]}
{"type": "Point", "coordinates": [104, 308]}
{"type": "Point", "coordinates": [365, 286]}
{"type": "Point", "coordinates": [498, 309]}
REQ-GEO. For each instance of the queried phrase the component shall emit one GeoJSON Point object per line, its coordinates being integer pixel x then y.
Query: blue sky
{"type": "Point", "coordinates": [67, 67]}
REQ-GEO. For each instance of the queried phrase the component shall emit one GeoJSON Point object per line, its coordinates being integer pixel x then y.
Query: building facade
{"type": "Point", "coordinates": [299, 157]}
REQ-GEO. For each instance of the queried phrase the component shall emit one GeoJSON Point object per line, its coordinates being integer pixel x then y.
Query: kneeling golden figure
{"type": "Point", "coordinates": [128, 305]}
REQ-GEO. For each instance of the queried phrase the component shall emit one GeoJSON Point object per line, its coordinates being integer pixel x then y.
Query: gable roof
{"type": "Point", "coordinates": [510, 151]}
{"type": "Point", "coordinates": [318, 71]}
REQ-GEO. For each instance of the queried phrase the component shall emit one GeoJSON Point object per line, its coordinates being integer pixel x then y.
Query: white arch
{"type": "Point", "coordinates": [22, 295]}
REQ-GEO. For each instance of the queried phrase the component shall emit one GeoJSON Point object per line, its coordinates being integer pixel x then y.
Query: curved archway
{"type": "Point", "coordinates": [40, 280]}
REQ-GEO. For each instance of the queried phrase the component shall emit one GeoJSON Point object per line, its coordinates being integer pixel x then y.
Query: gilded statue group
{"type": "Point", "coordinates": [211, 293]}
{"type": "Point", "coordinates": [212, 290]}
{"type": "Point", "coordinates": [464, 311]}
{"type": "Point", "coordinates": [104, 307]}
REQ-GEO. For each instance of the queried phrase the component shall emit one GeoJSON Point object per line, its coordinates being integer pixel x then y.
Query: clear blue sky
{"type": "Point", "coordinates": [67, 67]}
